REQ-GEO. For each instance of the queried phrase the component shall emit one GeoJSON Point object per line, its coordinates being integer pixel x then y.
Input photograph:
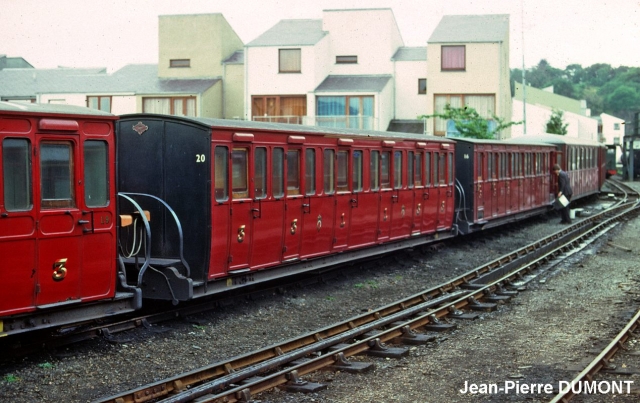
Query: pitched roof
{"type": "Point", "coordinates": [363, 83]}
{"type": "Point", "coordinates": [408, 54]}
{"type": "Point", "coordinates": [28, 82]}
{"type": "Point", "coordinates": [133, 78]}
{"type": "Point", "coordinates": [291, 33]}
{"type": "Point", "coordinates": [13, 63]}
{"type": "Point", "coordinates": [50, 109]}
{"type": "Point", "coordinates": [471, 28]}
{"type": "Point", "coordinates": [236, 58]}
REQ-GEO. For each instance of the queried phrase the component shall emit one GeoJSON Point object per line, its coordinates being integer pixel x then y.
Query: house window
{"type": "Point", "coordinates": [422, 86]}
{"type": "Point", "coordinates": [483, 104]}
{"type": "Point", "coordinates": [346, 59]}
{"type": "Point", "coordinates": [179, 63]}
{"type": "Point", "coordinates": [290, 61]}
{"type": "Point", "coordinates": [289, 109]}
{"type": "Point", "coordinates": [453, 58]}
{"type": "Point", "coordinates": [99, 103]}
{"type": "Point", "coordinates": [616, 126]}
{"type": "Point", "coordinates": [177, 106]}
{"type": "Point", "coordinates": [352, 112]}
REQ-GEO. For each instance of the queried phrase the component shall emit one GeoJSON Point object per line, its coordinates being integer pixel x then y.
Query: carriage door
{"type": "Point", "coordinates": [443, 189]}
{"type": "Point", "coordinates": [430, 193]}
{"type": "Point", "coordinates": [293, 207]}
{"type": "Point", "coordinates": [60, 221]}
{"type": "Point", "coordinates": [241, 216]}
{"type": "Point", "coordinates": [344, 201]}
{"type": "Point", "coordinates": [386, 193]}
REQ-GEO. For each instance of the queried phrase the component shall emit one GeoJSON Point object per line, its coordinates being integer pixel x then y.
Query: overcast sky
{"type": "Point", "coordinates": [113, 33]}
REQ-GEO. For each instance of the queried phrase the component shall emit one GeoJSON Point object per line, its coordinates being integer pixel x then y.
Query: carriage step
{"type": "Point", "coordinates": [154, 261]}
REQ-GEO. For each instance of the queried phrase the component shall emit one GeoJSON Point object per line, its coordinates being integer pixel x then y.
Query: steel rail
{"type": "Point", "coordinates": [601, 361]}
{"type": "Point", "coordinates": [224, 374]}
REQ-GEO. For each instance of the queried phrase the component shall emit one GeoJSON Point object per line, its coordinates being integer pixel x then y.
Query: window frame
{"type": "Point", "coordinates": [347, 59]}
{"type": "Point", "coordinates": [172, 104]}
{"type": "Point", "coordinates": [54, 203]}
{"type": "Point", "coordinates": [100, 99]}
{"type": "Point", "coordinates": [280, 57]}
{"type": "Point", "coordinates": [90, 181]}
{"type": "Point", "coordinates": [422, 86]}
{"type": "Point", "coordinates": [27, 202]}
{"type": "Point", "coordinates": [445, 48]}
{"type": "Point", "coordinates": [179, 63]}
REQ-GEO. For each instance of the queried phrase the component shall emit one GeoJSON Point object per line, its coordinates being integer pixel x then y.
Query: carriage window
{"type": "Point", "coordinates": [96, 173]}
{"type": "Point", "coordinates": [417, 177]}
{"type": "Point", "coordinates": [489, 166]}
{"type": "Point", "coordinates": [441, 170]}
{"type": "Point", "coordinates": [397, 170]}
{"type": "Point", "coordinates": [559, 159]}
{"type": "Point", "coordinates": [427, 164]}
{"type": "Point", "coordinates": [385, 170]}
{"type": "Point", "coordinates": [293, 172]}
{"type": "Point", "coordinates": [450, 167]}
{"type": "Point", "coordinates": [435, 169]}
{"type": "Point", "coordinates": [329, 156]}
{"type": "Point", "coordinates": [511, 172]}
{"type": "Point", "coordinates": [374, 168]}
{"type": "Point", "coordinates": [342, 168]}
{"type": "Point", "coordinates": [260, 173]}
{"type": "Point", "coordinates": [56, 174]}
{"type": "Point", "coordinates": [410, 171]}
{"type": "Point", "coordinates": [505, 165]}
{"type": "Point", "coordinates": [221, 167]}
{"type": "Point", "coordinates": [310, 172]}
{"type": "Point", "coordinates": [357, 171]}
{"type": "Point", "coordinates": [240, 173]}
{"type": "Point", "coordinates": [277, 174]}
{"type": "Point", "coordinates": [16, 167]}
{"type": "Point", "coordinates": [480, 165]}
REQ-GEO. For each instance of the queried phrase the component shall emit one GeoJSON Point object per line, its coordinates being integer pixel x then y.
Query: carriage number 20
{"type": "Point", "coordinates": [200, 158]}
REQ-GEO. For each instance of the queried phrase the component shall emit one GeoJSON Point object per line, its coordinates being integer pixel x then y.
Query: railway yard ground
{"type": "Point", "coordinates": [545, 335]}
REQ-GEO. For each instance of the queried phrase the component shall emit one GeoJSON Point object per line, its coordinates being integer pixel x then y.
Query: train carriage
{"type": "Point", "coordinates": [57, 210]}
{"type": "Point", "coordinates": [252, 196]}
{"type": "Point", "coordinates": [500, 181]}
{"type": "Point", "coordinates": [583, 160]}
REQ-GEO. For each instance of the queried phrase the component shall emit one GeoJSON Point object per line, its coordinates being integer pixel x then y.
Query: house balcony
{"type": "Point", "coordinates": [341, 121]}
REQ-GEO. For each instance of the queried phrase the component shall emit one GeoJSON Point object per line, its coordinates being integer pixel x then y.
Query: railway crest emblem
{"type": "Point", "coordinates": [140, 128]}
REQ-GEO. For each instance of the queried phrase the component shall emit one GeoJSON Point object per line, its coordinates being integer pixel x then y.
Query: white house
{"type": "Point", "coordinates": [539, 104]}
{"type": "Point", "coordinates": [349, 69]}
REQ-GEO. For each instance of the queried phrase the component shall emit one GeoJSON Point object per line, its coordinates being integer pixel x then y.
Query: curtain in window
{"type": "Point", "coordinates": [290, 61]}
{"type": "Point", "coordinates": [483, 104]}
{"type": "Point", "coordinates": [333, 107]}
{"type": "Point", "coordinates": [441, 100]}
{"type": "Point", "coordinates": [191, 107]}
{"type": "Point", "coordinates": [293, 106]}
{"type": "Point", "coordinates": [453, 57]}
{"type": "Point", "coordinates": [157, 105]}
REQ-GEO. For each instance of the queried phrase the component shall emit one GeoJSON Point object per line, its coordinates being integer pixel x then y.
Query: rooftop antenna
{"type": "Point", "coordinates": [524, 79]}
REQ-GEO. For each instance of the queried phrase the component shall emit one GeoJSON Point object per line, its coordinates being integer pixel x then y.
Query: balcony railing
{"type": "Point", "coordinates": [342, 121]}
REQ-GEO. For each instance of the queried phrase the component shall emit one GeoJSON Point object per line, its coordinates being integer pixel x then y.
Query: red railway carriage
{"type": "Point", "coordinates": [253, 196]}
{"type": "Point", "coordinates": [500, 181]}
{"type": "Point", "coordinates": [583, 160]}
{"type": "Point", "coordinates": [57, 210]}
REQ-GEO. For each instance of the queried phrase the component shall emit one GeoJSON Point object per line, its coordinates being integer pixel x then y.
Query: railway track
{"type": "Point", "coordinates": [601, 363]}
{"type": "Point", "coordinates": [403, 322]}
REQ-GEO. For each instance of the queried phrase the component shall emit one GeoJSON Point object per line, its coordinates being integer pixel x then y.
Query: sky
{"type": "Point", "coordinates": [114, 33]}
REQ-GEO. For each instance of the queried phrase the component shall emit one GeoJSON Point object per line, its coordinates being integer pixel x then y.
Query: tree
{"type": "Point", "coordinates": [556, 125]}
{"type": "Point", "coordinates": [469, 123]}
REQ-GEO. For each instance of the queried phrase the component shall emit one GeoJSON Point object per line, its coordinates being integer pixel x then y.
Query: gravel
{"type": "Point", "coordinates": [545, 335]}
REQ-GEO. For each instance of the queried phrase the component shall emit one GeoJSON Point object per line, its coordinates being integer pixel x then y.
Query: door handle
{"type": "Point", "coordinates": [83, 222]}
